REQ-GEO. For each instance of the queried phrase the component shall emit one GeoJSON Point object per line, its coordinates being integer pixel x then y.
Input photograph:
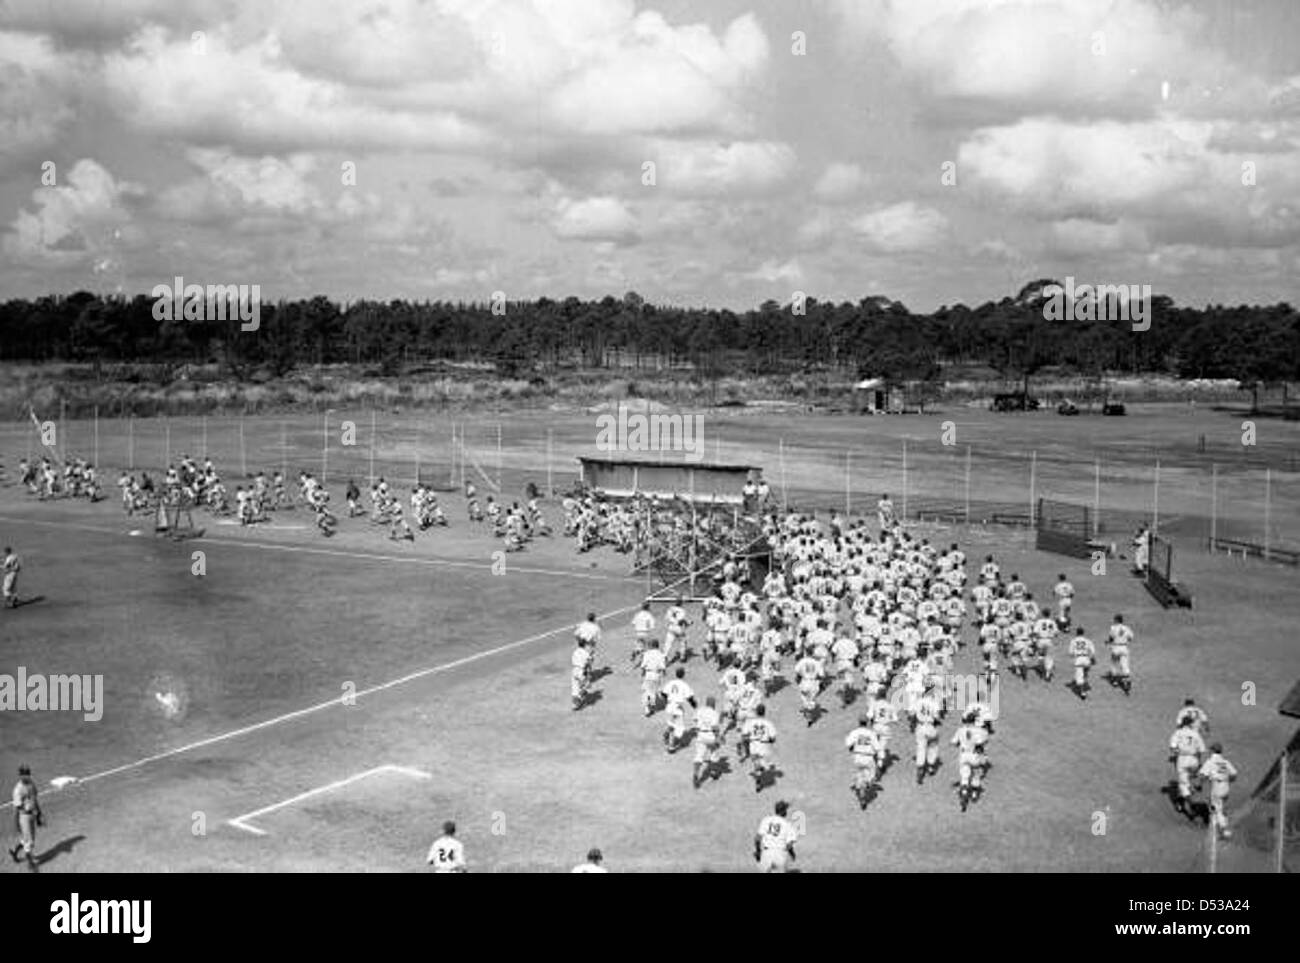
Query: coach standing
{"type": "Point", "coordinates": [11, 567]}
{"type": "Point", "coordinates": [27, 816]}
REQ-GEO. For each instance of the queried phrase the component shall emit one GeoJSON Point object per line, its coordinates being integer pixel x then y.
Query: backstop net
{"type": "Point", "coordinates": [1063, 527]}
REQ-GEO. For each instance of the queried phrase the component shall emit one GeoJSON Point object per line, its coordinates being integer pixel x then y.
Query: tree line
{"type": "Point", "coordinates": [876, 336]}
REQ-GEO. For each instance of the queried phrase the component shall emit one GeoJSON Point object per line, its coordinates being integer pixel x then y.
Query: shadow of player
{"type": "Point", "coordinates": [55, 851]}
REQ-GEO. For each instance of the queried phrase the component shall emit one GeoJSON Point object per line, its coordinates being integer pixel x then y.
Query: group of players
{"type": "Point", "coordinates": [76, 479]}
{"type": "Point", "coordinates": [881, 618]}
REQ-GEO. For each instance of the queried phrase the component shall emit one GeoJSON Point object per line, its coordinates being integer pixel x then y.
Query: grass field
{"type": "Point", "coordinates": [462, 681]}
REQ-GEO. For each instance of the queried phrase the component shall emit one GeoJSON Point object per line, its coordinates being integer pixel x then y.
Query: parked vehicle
{"type": "Point", "coordinates": [1067, 407]}
{"type": "Point", "coordinates": [1015, 401]}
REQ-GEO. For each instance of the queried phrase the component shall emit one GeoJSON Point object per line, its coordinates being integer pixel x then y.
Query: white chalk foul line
{"type": "Point", "coordinates": [341, 700]}
{"type": "Point", "coordinates": [244, 822]}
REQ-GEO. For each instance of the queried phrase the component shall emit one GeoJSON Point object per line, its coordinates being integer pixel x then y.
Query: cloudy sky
{"type": "Point", "coordinates": [716, 152]}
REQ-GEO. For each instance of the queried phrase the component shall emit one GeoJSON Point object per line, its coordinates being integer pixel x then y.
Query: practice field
{"type": "Point", "coordinates": [461, 707]}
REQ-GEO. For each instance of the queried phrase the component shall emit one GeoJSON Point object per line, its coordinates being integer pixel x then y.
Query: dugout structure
{"type": "Point", "coordinates": [700, 484]}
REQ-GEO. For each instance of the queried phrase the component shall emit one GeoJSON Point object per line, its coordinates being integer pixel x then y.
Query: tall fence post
{"type": "Point", "coordinates": [1033, 486]}
{"type": "Point", "coordinates": [550, 488]}
{"type": "Point", "coordinates": [1268, 508]}
{"type": "Point", "coordinates": [781, 443]}
{"type": "Point", "coordinates": [848, 484]}
{"type": "Point", "coordinates": [372, 446]}
{"type": "Point", "coordinates": [1155, 501]}
{"type": "Point", "coordinates": [96, 455]}
{"type": "Point", "coordinates": [243, 452]}
{"type": "Point", "coordinates": [1096, 497]}
{"type": "Point", "coordinates": [1214, 506]}
{"type": "Point", "coordinates": [167, 441]}
{"type": "Point", "coordinates": [968, 484]}
{"type": "Point", "coordinates": [130, 442]}
{"type": "Point", "coordinates": [905, 479]}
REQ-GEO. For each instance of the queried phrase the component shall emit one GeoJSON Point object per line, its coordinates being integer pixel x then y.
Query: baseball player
{"type": "Point", "coordinates": [760, 735]}
{"type": "Point", "coordinates": [809, 671]}
{"type": "Point", "coordinates": [27, 816]}
{"type": "Point", "coordinates": [865, 746]}
{"type": "Point", "coordinates": [588, 632]}
{"type": "Point", "coordinates": [447, 855]}
{"type": "Point", "coordinates": [593, 864]}
{"type": "Point", "coordinates": [774, 841]}
{"type": "Point", "coordinates": [643, 623]}
{"type": "Point", "coordinates": [653, 665]}
{"type": "Point", "coordinates": [1186, 750]}
{"type": "Point", "coordinates": [707, 723]}
{"type": "Point", "coordinates": [1064, 593]}
{"type": "Point", "coordinates": [1119, 640]}
{"type": "Point", "coordinates": [11, 566]}
{"type": "Point", "coordinates": [581, 662]}
{"type": "Point", "coordinates": [1220, 773]}
{"type": "Point", "coordinates": [675, 623]}
{"type": "Point", "coordinates": [928, 712]}
{"type": "Point", "coordinates": [1084, 652]}
{"type": "Point", "coordinates": [969, 740]}
{"type": "Point", "coordinates": [1190, 710]}
{"type": "Point", "coordinates": [679, 695]}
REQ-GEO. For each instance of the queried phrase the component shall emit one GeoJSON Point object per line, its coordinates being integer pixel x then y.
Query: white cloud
{"type": "Point", "coordinates": [902, 227]}
{"type": "Point", "coordinates": [695, 168]}
{"type": "Point", "coordinates": [771, 272]}
{"type": "Point", "coordinates": [1085, 53]}
{"type": "Point", "coordinates": [839, 182]}
{"type": "Point", "coordinates": [595, 219]}
{"type": "Point", "coordinates": [77, 220]}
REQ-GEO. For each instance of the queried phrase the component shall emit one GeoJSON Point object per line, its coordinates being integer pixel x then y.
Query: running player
{"type": "Point", "coordinates": [643, 623]}
{"type": "Point", "coordinates": [928, 712]}
{"type": "Point", "coordinates": [707, 721]}
{"type": "Point", "coordinates": [1119, 640]}
{"type": "Point", "coordinates": [679, 695]}
{"type": "Point", "coordinates": [760, 734]}
{"type": "Point", "coordinates": [1064, 593]}
{"type": "Point", "coordinates": [774, 841]}
{"type": "Point", "coordinates": [1084, 652]}
{"type": "Point", "coordinates": [1220, 773]}
{"type": "Point", "coordinates": [1186, 750]}
{"type": "Point", "coordinates": [969, 740]}
{"type": "Point", "coordinates": [581, 675]}
{"type": "Point", "coordinates": [864, 744]}
{"type": "Point", "coordinates": [447, 855]}
{"type": "Point", "coordinates": [653, 665]}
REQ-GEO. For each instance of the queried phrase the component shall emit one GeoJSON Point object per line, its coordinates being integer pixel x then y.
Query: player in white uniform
{"type": "Point", "coordinates": [1084, 652]}
{"type": "Point", "coordinates": [1064, 593]}
{"type": "Point", "coordinates": [675, 625]}
{"type": "Point", "coordinates": [864, 743]}
{"type": "Point", "coordinates": [928, 712]}
{"type": "Point", "coordinates": [1119, 640]}
{"type": "Point", "coordinates": [808, 671]}
{"type": "Point", "coordinates": [969, 740]}
{"type": "Point", "coordinates": [581, 674]}
{"type": "Point", "coordinates": [707, 724]}
{"type": "Point", "coordinates": [593, 864]}
{"type": "Point", "coordinates": [588, 632]}
{"type": "Point", "coordinates": [653, 665]}
{"type": "Point", "coordinates": [447, 855]}
{"type": "Point", "coordinates": [679, 695]}
{"type": "Point", "coordinates": [1220, 773]}
{"type": "Point", "coordinates": [774, 841]}
{"type": "Point", "coordinates": [760, 734]}
{"type": "Point", "coordinates": [1186, 750]}
{"type": "Point", "coordinates": [643, 623]}
{"type": "Point", "coordinates": [1200, 720]}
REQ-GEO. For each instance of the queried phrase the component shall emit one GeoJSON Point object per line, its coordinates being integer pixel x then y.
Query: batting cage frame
{"type": "Point", "coordinates": [1064, 528]}
{"type": "Point", "coordinates": [1158, 575]}
{"type": "Point", "coordinates": [688, 564]}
